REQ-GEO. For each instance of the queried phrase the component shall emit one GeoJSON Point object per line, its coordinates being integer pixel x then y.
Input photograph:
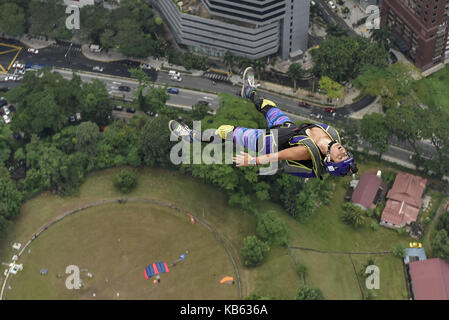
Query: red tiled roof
{"type": "Point", "coordinates": [366, 189]}
{"type": "Point", "coordinates": [408, 188]}
{"type": "Point", "coordinates": [399, 213]}
{"type": "Point", "coordinates": [404, 199]}
{"type": "Point", "coordinates": [430, 279]}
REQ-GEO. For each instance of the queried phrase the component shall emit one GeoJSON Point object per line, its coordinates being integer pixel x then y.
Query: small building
{"type": "Point", "coordinates": [430, 279]}
{"type": "Point", "coordinates": [404, 201]}
{"type": "Point", "coordinates": [369, 191]}
{"type": "Point", "coordinates": [414, 254]}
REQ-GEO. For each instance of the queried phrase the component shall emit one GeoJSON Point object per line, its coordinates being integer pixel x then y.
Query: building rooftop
{"type": "Point", "coordinates": [430, 279]}
{"type": "Point", "coordinates": [197, 8]}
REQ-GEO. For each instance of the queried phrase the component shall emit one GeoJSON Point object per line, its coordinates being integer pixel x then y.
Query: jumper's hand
{"type": "Point", "coordinates": [243, 159]}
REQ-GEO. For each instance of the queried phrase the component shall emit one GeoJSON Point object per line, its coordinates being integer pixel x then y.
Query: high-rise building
{"type": "Point", "coordinates": [251, 28]}
{"type": "Point", "coordinates": [419, 28]}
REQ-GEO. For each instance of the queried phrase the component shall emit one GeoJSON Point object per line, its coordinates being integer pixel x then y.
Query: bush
{"type": "Point", "coordinates": [399, 251]}
{"type": "Point", "coordinates": [272, 229]}
{"type": "Point", "coordinates": [374, 225]}
{"type": "Point", "coordinates": [125, 181]}
{"type": "Point", "coordinates": [308, 293]}
{"type": "Point", "coordinates": [301, 270]}
{"type": "Point", "coordinates": [254, 251]}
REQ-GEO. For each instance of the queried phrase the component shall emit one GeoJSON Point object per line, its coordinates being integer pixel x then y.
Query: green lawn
{"type": "Point", "coordinates": [435, 91]}
{"type": "Point", "coordinates": [115, 242]}
{"type": "Point", "coordinates": [332, 273]}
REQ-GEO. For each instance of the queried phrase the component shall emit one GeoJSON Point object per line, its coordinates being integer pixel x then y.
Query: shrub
{"type": "Point", "coordinates": [254, 251]}
{"type": "Point", "coordinates": [308, 293]}
{"type": "Point", "coordinates": [374, 225]}
{"type": "Point", "coordinates": [125, 181]}
{"type": "Point", "coordinates": [272, 229]}
{"type": "Point", "coordinates": [399, 251]}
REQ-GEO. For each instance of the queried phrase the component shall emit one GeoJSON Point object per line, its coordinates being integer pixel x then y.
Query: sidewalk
{"type": "Point", "coordinates": [36, 43]}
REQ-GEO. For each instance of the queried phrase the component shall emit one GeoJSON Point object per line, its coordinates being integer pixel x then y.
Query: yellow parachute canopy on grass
{"type": "Point", "coordinates": [226, 279]}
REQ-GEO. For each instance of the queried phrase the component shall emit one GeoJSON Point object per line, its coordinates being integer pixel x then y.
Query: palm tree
{"type": "Point", "coordinates": [229, 59]}
{"type": "Point", "coordinates": [295, 72]}
{"type": "Point", "coordinates": [259, 66]}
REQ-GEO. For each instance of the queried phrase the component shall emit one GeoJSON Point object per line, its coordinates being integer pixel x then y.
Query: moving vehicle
{"type": "Point", "coordinates": [124, 88]}
{"type": "Point", "coordinates": [173, 90]}
{"type": "Point", "coordinates": [176, 78]}
{"type": "Point", "coordinates": [332, 5]}
{"type": "Point", "coordinates": [145, 66]}
{"type": "Point", "coordinates": [33, 51]}
{"type": "Point", "coordinates": [118, 108]}
{"type": "Point", "coordinates": [206, 103]}
{"type": "Point", "coordinates": [18, 65]}
{"type": "Point", "coordinates": [97, 68]}
{"type": "Point", "coordinates": [330, 110]}
{"type": "Point", "coordinates": [173, 73]}
{"type": "Point", "coordinates": [131, 110]}
{"type": "Point", "coordinates": [304, 104]}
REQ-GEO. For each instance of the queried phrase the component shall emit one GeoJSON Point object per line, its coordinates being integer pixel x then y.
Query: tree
{"type": "Point", "coordinates": [155, 142]}
{"type": "Point", "coordinates": [88, 136]}
{"type": "Point", "coordinates": [353, 215]}
{"type": "Point", "coordinates": [96, 104]}
{"type": "Point", "coordinates": [229, 59]}
{"type": "Point", "coordinates": [5, 150]}
{"type": "Point", "coordinates": [295, 73]}
{"type": "Point", "coordinates": [271, 229]}
{"type": "Point", "coordinates": [439, 242]}
{"type": "Point", "coordinates": [404, 122]}
{"type": "Point", "coordinates": [10, 197]}
{"type": "Point", "coordinates": [125, 181]}
{"type": "Point", "coordinates": [382, 37]}
{"type": "Point", "coordinates": [199, 111]}
{"type": "Point", "coordinates": [335, 30]}
{"type": "Point", "coordinates": [343, 58]}
{"type": "Point", "coordinates": [12, 19]}
{"type": "Point", "coordinates": [308, 293]}
{"type": "Point", "coordinates": [333, 89]}
{"type": "Point", "coordinates": [374, 130]}
{"type": "Point", "coordinates": [254, 251]}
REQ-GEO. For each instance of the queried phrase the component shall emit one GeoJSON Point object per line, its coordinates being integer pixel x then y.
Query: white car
{"type": "Point", "coordinates": [17, 65]}
{"type": "Point", "coordinates": [6, 119]}
{"type": "Point", "coordinates": [11, 78]}
{"type": "Point", "coordinates": [33, 51]}
{"type": "Point", "coordinates": [6, 110]}
{"type": "Point", "coordinates": [332, 4]}
{"type": "Point", "coordinates": [176, 78]}
{"type": "Point", "coordinates": [173, 73]}
{"type": "Point", "coordinates": [97, 68]}
{"type": "Point", "coordinates": [145, 66]}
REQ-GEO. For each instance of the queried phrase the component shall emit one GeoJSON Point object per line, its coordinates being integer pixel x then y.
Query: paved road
{"type": "Point", "coordinates": [64, 56]}
{"type": "Point", "coordinates": [331, 17]}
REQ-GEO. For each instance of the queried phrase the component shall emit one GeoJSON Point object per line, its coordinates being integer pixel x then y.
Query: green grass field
{"type": "Point", "coordinates": [332, 273]}
{"type": "Point", "coordinates": [436, 93]}
{"type": "Point", "coordinates": [115, 242]}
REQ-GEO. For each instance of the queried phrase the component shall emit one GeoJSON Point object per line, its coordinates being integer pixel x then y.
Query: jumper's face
{"type": "Point", "coordinates": [338, 153]}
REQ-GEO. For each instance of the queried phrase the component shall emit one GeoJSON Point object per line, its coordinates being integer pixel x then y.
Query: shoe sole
{"type": "Point", "coordinates": [170, 127]}
{"type": "Point", "coordinates": [245, 73]}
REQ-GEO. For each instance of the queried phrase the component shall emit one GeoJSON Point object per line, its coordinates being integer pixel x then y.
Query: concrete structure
{"type": "Point", "coordinates": [404, 201]}
{"type": "Point", "coordinates": [420, 29]}
{"type": "Point", "coordinates": [251, 28]}
{"type": "Point", "coordinates": [414, 254]}
{"type": "Point", "coordinates": [79, 3]}
{"type": "Point", "coordinates": [430, 279]}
